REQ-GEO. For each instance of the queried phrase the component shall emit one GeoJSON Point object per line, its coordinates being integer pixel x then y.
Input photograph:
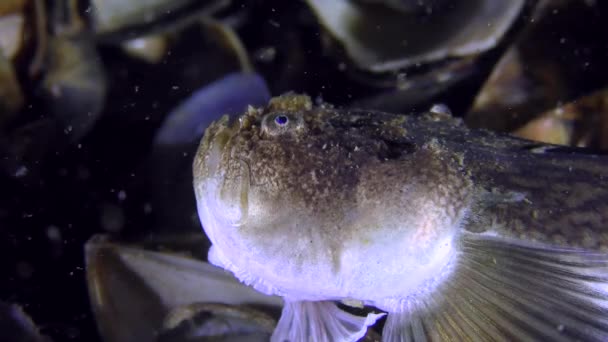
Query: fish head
{"type": "Point", "coordinates": [240, 172]}
{"type": "Point", "coordinates": [298, 192]}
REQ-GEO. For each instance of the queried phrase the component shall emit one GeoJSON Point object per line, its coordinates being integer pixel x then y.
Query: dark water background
{"type": "Point", "coordinates": [98, 184]}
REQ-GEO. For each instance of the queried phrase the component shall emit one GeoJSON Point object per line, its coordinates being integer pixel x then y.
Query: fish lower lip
{"type": "Point", "coordinates": [214, 141]}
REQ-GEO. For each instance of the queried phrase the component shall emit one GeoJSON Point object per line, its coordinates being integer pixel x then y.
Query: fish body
{"type": "Point", "coordinates": [455, 233]}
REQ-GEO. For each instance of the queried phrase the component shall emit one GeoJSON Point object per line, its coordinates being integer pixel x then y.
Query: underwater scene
{"type": "Point", "coordinates": [312, 170]}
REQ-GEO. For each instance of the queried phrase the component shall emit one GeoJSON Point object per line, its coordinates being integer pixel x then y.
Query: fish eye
{"type": "Point", "coordinates": [282, 123]}
{"type": "Point", "coordinates": [281, 120]}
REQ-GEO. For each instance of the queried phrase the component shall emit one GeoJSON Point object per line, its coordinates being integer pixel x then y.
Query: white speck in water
{"type": "Point", "coordinates": [443, 77]}
{"type": "Point", "coordinates": [53, 233]}
{"type": "Point", "coordinates": [266, 54]}
{"type": "Point", "coordinates": [122, 195]}
{"type": "Point", "coordinates": [147, 208]}
{"type": "Point", "coordinates": [21, 171]}
{"type": "Point", "coordinates": [402, 81]}
{"type": "Point", "coordinates": [56, 90]}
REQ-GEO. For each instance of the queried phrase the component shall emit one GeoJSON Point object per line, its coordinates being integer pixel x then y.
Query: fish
{"type": "Point", "coordinates": [447, 233]}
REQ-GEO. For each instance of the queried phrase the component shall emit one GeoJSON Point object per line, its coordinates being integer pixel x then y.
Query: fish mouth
{"type": "Point", "coordinates": [216, 183]}
{"type": "Point", "coordinates": [209, 154]}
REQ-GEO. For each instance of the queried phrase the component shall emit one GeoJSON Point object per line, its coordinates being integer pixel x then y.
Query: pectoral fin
{"type": "Point", "coordinates": [505, 290]}
{"type": "Point", "coordinates": [322, 322]}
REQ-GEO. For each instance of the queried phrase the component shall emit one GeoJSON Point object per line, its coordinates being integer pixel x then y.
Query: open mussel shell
{"type": "Point", "coordinates": [419, 90]}
{"type": "Point", "coordinates": [109, 14]}
{"type": "Point", "coordinates": [170, 163]}
{"type": "Point", "coordinates": [378, 38]}
{"type": "Point", "coordinates": [75, 85]}
{"type": "Point", "coordinates": [151, 49]}
{"type": "Point", "coordinates": [529, 81]}
{"type": "Point", "coordinates": [217, 322]}
{"type": "Point", "coordinates": [143, 295]}
{"type": "Point", "coordinates": [12, 6]}
{"type": "Point", "coordinates": [11, 96]}
{"type": "Point", "coordinates": [582, 123]}
{"type": "Point", "coordinates": [16, 325]}
{"type": "Point", "coordinates": [118, 20]}
{"type": "Point", "coordinates": [409, 6]}
{"type": "Point", "coordinates": [12, 34]}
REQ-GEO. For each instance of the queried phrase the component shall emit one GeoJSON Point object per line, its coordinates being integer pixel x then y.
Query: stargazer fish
{"type": "Point", "coordinates": [455, 234]}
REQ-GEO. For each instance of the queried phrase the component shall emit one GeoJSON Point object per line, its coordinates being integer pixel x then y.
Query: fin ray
{"type": "Point", "coordinates": [505, 290]}
{"type": "Point", "coordinates": [320, 321]}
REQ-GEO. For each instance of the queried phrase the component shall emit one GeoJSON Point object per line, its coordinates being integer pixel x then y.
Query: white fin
{"type": "Point", "coordinates": [215, 257]}
{"type": "Point", "coordinates": [320, 322]}
{"type": "Point", "coordinates": [507, 290]}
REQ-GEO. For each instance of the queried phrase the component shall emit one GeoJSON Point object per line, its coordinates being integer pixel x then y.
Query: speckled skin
{"type": "Point", "coordinates": [355, 201]}
{"type": "Point", "coordinates": [535, 192]}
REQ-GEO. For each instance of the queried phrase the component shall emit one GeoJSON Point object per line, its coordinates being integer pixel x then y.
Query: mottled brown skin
{"type": "Point", "coordinates": [533, 191]}
{"type": "Point", "coordinates": [522, 189]}
{"type": "Point", "coordinates": [333, 183]}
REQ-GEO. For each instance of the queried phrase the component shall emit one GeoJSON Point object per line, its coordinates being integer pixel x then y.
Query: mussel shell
{"type": "Point", "coordinates": [12, 34]}
{"type": "Point", "coordinates": [12, 6]}
{"type": "Point", "coordinates": [410, 6]}
{"type": "Point", "coordinates": [16, 325]}
{"type": "Point", "coordinates": [582, 123]}
{"type": "Point", "coordinates": [75, 85]}
{"type": "Point", "coordinates": [555, 60]}
{"type": "Point", "coordinates": [217, 322]}
{"type": "Point", "coordinates": [11, 96]}
{"type": "Point", "coordinates": [133, 290]}
{"type": "Point", "coordinates": [112, 14]}
{"type": "Point", "coordinates": [379, 39]}
{"type": "Point", "coordinates": [116, 21]}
